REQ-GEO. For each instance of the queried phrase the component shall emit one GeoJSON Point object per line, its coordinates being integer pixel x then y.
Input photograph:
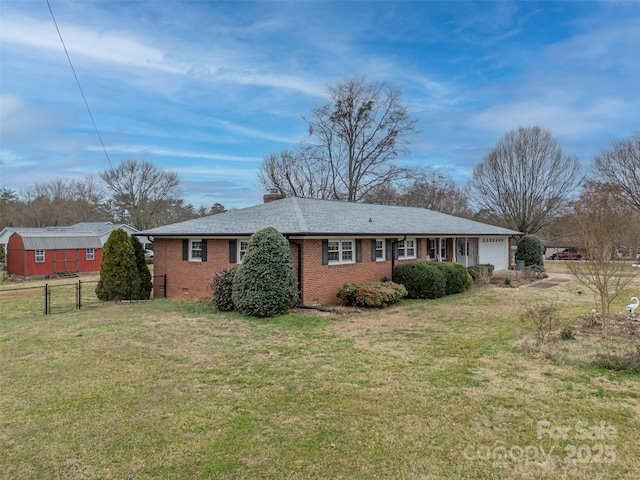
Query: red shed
{"type": "Point", "coordinates": [32, 253]}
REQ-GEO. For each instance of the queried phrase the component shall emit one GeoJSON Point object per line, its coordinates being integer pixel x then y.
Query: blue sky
{"type": "Point", "coordinates": [208, 89]}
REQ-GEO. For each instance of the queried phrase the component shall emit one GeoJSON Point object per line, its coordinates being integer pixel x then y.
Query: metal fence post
{"type": "Point", "coordinates": [79, 295]}
{"type": "Point", "coordinates": [46, 299]}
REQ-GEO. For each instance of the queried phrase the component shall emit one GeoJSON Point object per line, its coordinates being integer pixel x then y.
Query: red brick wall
{"type": "Point", "coordinates": [320, 283]}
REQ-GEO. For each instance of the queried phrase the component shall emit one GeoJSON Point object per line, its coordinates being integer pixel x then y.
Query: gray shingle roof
{"type": "Point", "coordinates": [307, 217]}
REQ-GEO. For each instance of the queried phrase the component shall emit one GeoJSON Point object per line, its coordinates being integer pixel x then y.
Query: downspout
{"type": "Point", "coordinates": [299, 248]}
{"type": "Point", "coordinates": [393, 252]}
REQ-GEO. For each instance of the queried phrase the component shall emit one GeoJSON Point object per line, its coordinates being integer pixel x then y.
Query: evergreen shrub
{"type": "Point", "coordinates": [222, 289]}
{"type": "Point", "coordinates": [265, 284]}
{"type": "Point", "coordinates": [144, 274]}
{"type": "Point", "coordinates": [371, 295]}
{"type": "Point", "coordinates": [421, 279]}
{"type": "Point", "coordinates": [531, 250]}
{"type": "Point", "coordinates": [118, 271]}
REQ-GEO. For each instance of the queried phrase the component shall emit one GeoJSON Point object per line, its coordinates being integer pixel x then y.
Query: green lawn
{"type": "Point", "coordinates": [425, 389]}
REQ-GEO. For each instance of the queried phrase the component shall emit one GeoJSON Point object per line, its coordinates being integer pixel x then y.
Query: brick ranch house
{"type": "Point", "coordinates": [331, 242]}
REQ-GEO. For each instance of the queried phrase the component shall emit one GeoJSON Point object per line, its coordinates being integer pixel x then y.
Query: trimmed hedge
{"type": "Point", "coordinates": [464, 280]}
{"type": "Point", "coordinates": [457, 278]}
{"type": "Point", "coordinates": [371, 295]}
{"type": "Point", "coordinates": [222, 289]}
{"type": "Point", "coordinates": [421, 279]}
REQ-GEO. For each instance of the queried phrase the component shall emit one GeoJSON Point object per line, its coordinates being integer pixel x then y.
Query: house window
{"type": "Point", "coordinates": [443, 250]}
{"type": "Point", "coordinates": [407, 248]}
{"type": "Point", "coordinates": [243, 245]}
{"type": "Point", "coordinates": [431, 245]}
{"type": "Point", "coordinates": [39, 256]}
{"type": "Point", "coordinates": [380, 247]}
{"type": "Point", "coordinates": [195, 250]}
{"type": "Point", "coordinates": [91, 254]}
{"type": "Point", "coordinates": [340, 251]}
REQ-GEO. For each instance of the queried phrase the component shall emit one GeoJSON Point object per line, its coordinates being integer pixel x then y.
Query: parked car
{"type": "Point", "coordinates": [148, 253]}
{"type": "Point", "coordinates": [566, 254]}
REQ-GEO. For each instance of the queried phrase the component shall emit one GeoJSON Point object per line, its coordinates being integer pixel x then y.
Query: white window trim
{"type": "Point", "coordinates": [241, 253]}
{"type": "Point", "coordinates": [40, 258]}
{"type": "Point", "coordinates": [402, 250]}
{"type": "Point", "coordinates": [384, 248]}
{"type": "Point", "coordinates": [191, 250]}
{"type": "Point", "coordinates": [341, 251]}
{"type": "Point", "coordinates": [90, 254]}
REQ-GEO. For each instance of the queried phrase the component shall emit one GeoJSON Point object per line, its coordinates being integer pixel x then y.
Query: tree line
{"type": "Point", "coordinates": [136, 193]}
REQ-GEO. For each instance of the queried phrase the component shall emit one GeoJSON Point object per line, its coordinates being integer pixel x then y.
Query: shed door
{"type": "Point", "coordinates": [65, 261]}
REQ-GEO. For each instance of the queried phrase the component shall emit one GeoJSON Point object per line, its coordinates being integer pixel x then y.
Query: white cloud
{"type": "Point", "coordinates": [112, 47]}
{"type": "Point", "coordinates": [167, 152]}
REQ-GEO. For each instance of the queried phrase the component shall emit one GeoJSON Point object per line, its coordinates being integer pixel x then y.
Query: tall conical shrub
{"type": "Point", "coordinates": [265, 284]}
{"type": "Point", "coordinates": [118, 272]}
{"type": "Point", "coordinates": [144, 274]}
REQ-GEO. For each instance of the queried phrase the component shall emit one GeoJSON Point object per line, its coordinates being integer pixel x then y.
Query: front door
{"type": "Point", "coordinates": [467, 251]}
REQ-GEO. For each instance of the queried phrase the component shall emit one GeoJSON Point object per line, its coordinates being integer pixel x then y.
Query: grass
{"type": "Point", "coordinates": [424, 389]}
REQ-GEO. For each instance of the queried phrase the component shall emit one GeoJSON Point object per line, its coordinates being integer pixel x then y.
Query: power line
{"type": "Point", "coordinates": [80, 86]}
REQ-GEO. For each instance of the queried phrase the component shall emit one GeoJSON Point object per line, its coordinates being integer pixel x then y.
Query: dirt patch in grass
{"type": "Point", "coordinates": [619, 325]}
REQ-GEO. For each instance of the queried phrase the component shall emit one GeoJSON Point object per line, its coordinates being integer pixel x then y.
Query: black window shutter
{"type": "Point", "coordinates": [419, 247]}
{"type": "Point", "coordinates": [232, 251]}
{"type": "Point", "coordinates": [185, 249]}
{"type": "Point", "coordinates": [204, 250]}
{"type": "Point", "coordinates": [373, 250]}
{"type": "Point", "coordinates": [359, 251]}
{"type": "Point", "coordinates": [325, 252]}
{"type": "Point", "coordinates": [389, 254]}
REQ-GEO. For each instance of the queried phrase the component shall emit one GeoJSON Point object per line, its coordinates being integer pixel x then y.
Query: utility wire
{"type": "Point", "coordinates": [80, 86]}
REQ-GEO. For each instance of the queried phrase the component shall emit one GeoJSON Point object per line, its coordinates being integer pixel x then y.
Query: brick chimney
{"type": "Point", "coordinates": [272, 196]}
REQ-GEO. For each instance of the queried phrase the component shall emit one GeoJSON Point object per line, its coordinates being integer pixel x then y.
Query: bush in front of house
{"type": "Point", "coordinates": [118, 272]}
{"type": "Point", "coordinates": [265, 284]}
{"type": "Point", "coordinates": [481, 271]}
{"type": "Point", "coordinates": [531, 250]}
{"type": "Point", "coordinates": [421, 279]}
{"type": "Point", "coordinates": [222, 289]}
{"type": "Point", "coordinates": [371, 295]}
{"type": "Point", "coordinates": [463, 280]}
{"type": "Point", "coordinates": [143, 273]}
{"type": "Point", "coordinates": [456, 276]}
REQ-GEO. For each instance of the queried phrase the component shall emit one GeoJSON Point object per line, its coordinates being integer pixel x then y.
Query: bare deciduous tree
{"type": "Point", "coordinates": [524, 179]}
{"type": "Point", "coordinates": [353, 142]}
{"type": "Point", "coordinates": [62, 202]}
{"type": "Point", "coordinates": [619, 167]}
{"type": "Point", "coordinates": [601, 226]}
{"type": "Point", "coordinates": [426, 189]}
{"type": "Point", "coordinates": [142, 192]}
{"type": "Point", "coordinates": [299, 173]}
